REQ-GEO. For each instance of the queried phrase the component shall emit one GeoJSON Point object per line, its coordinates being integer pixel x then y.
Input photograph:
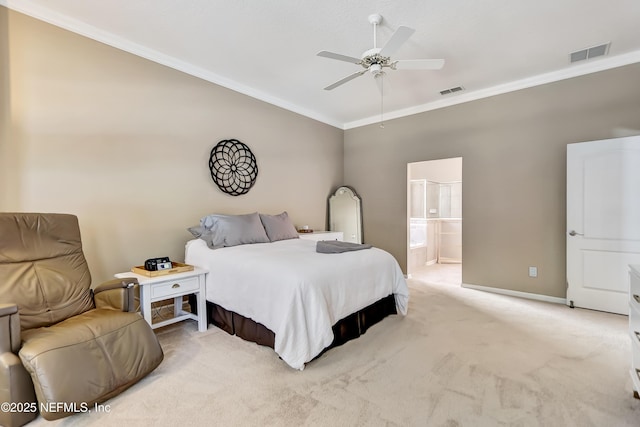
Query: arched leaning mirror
{"type": "Point", "coordinates": [345, 214]}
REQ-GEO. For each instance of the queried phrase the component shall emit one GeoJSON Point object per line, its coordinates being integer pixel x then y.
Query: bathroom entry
{"type": "Point", "coordinates": [434, 213]}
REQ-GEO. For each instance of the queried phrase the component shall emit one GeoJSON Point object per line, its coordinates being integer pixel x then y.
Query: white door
{"type": "Point", "coordinates": [603, 222]}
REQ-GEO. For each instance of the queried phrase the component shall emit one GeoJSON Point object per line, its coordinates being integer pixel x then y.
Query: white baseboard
{"type": "Point", "coordinates": [527, 295]}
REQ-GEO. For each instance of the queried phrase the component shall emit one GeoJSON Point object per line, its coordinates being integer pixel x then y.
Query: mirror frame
{"type": "Point", "coordinates": [351, 193]}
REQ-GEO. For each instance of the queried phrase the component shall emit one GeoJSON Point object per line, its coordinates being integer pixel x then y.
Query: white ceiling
{"type": "Point", "coordinates": [267, 49]}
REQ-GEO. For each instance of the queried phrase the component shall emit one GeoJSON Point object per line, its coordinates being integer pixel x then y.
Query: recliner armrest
{"type": "Point", "coordinates": [15, 383]}
{"type": "Point", "coordinates": [16, 388]}
{"type": "Point", "coordinates": [7, 309]}
{"type": "Point", "coordinates": [117, 294]}
{"type": "Point", "coordinates": [9, 328]}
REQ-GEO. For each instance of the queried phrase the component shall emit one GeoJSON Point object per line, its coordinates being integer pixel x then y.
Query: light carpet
{"type": "Point", "coordinates": [460, 357]}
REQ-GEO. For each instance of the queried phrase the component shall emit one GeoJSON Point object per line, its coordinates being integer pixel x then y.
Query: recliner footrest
{"type": "Point", "coordinates": [88, 358]}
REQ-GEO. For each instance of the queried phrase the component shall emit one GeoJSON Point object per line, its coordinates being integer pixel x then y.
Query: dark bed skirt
{"type": "Point", "coordinates": [349, 328]}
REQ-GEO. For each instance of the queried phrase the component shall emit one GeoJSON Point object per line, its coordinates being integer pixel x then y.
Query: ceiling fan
{"type": "Point", "coordinates": [375, 60]}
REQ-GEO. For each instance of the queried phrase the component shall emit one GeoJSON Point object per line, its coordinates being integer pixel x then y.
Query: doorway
{"type": "Point", "coordinates": [434, 218]}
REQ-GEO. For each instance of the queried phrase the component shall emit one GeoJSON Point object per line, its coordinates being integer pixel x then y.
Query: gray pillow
{"type": "Point", "coordinates": [197, 231]}
{"type": "Point", "coordinates": [202, 233]}
{"type": "Point", "coordinates": [279, 227]}
{"type": "Point", "coordinates": [220, 230]}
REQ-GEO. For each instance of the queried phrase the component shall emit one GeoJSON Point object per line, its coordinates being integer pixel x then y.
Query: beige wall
{"type": "Point", "coordinates": [8, 169]}
{"type": "Point", "coordinates": [124, 143]}
{"type": "Point", "coordinates": [514, 164]}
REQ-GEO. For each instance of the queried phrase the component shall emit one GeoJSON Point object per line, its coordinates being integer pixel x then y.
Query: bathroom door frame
{"type": "Point", "coordinates": [455, 176]}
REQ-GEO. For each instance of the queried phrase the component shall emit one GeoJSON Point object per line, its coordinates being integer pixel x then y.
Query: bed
{"type": "Point", "coordinates": [284, 294]}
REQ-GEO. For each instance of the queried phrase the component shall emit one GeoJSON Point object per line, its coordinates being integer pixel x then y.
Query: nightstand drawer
{"type": "Point", "coordinates": [634, 288]}
{"type": "Point", "coordinates": [634, 323]}
{"type": "Point", "coordinates": [322, 235]}
{"type": "Point", "coordinates": [174, 287]}
{"type": "Point", "coordinates": [635, 356]}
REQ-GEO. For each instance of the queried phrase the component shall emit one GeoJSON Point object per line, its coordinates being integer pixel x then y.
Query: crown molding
{"type": "Point", "coordinates": [54, 18]}
{"type": "Point", "coordinates": [588, 67]}
{"type": "Point", "coordinates": [29, 8]}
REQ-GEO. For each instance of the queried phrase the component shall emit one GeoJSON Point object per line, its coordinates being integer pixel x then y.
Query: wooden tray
{"type": "Point", "coordinates": [178, 267]}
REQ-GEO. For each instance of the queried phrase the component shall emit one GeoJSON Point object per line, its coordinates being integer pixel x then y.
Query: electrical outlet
{"type": "Point", "coordinates": [533, 271]}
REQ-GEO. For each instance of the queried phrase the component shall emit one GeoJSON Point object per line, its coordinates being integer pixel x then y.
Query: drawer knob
{"type": "Point", "coordinates": [637, 298]}
{"type": "Point", "coordinates": [175, 286]}
{"type": "Point", "coordinates": [637, 335]}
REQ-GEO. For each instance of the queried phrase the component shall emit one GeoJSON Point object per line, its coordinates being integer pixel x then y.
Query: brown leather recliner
{"type": "Point", "coordinates": [63, 346]}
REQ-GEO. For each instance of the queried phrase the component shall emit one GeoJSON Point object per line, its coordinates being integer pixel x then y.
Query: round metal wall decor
{"type": "Point", "coordinates": [233, 167]}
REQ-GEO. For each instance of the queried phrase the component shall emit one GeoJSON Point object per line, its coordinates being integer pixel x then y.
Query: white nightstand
{"type": "Point", "coordinates": [174, 286]}
{"type": "Point", "coordinates": [322, 235]}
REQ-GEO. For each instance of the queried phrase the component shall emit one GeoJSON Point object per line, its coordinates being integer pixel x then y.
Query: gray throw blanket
{"type": "Point", "coordinates": [336, 246]}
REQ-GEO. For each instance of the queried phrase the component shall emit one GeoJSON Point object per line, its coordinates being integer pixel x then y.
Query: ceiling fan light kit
{"type": "Point", "coordinates": [375, 60]}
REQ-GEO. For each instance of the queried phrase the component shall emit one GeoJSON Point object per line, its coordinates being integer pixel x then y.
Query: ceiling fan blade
{"type": "Point", "coordinates": [339, 57]}
{"type": "Point", "coordinates": [418, 64]}
{"type": "Point", "coordinates": [346, 79]}
{"type": "Point", "coordinates": [401, 35]}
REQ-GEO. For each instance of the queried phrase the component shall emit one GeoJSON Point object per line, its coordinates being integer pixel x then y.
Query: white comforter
{"type": "Point", "coordinates": [294, 291]}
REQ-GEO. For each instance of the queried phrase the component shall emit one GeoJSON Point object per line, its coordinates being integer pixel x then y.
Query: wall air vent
{"type": "Point", "coordinates": [451, 90]}
{"type": "Point", "coordinates": [589, 53]}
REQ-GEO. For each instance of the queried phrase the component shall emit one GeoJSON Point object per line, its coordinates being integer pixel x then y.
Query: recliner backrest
{"type": "Point", "coordinates": [42, 267]}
